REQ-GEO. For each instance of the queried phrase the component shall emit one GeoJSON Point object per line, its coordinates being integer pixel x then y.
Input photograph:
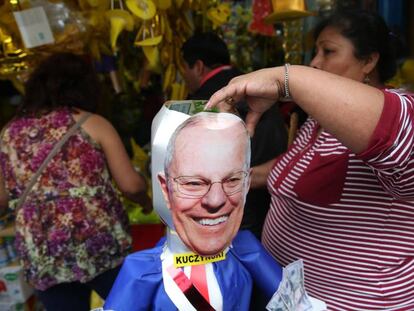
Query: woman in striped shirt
{"type": "Point", "coordinates": [343, 194]}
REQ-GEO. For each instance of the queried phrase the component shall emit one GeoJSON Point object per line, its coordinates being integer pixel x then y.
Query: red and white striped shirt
{"type": "Point", "coordinates": [349, 217]}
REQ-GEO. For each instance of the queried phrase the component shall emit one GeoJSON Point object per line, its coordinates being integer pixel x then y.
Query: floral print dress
{"type": "Point", "coordinates": [72, 226]}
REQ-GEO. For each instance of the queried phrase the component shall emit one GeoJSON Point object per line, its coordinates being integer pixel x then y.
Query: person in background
{"type": "Point", "coordinates": [71, 230]}
{"type": "Point", "coordinates": [342, 195]}
{"type": "Point", "coordinates": [207, 69]}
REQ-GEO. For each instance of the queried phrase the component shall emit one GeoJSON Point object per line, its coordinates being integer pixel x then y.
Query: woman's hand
{"type": "Point", "coordinates": [347, 109]}
{"type": "Point", "coordinates": [147, 205]}
{"type": "Point", "coordinates": [261, 89]}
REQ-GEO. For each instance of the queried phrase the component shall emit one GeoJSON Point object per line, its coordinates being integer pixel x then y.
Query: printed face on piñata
{"type": "Point", "coordinates": [206, 180]}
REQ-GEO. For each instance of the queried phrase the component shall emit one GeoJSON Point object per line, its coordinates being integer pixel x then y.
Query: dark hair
{"type": "Point", "coordinates": [61, 80]}
{"type": "Point", "coordinates": [368, 33]}
{"type": "Point", "coordinates": [208, 47]}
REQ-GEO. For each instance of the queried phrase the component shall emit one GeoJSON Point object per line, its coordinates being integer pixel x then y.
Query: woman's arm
{"type": "Point", "coordinates": [260, 173]}
{"type": "Point", "coordinates": [130, 183]}
{"type": "Point", "coordinates": [347, 109]}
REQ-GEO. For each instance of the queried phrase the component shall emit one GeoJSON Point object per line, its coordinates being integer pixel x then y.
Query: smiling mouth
{"type": "Point", "coordinates": [212, 222]}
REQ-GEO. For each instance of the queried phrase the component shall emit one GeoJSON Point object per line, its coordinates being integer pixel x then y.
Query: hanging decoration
{"type": "Point", "coordinates": [404, 78]}
{"type": "Point", "coordinates": [143, 9]}
{"type": "Point", "coordinates": [219, 14]}
{"type": "Point", "coordinates": [292, 41]}
{"type": "Point", "coordinates": [150, 31]}
{"type": "Point", "coordinates": [284, 10]}
{"type": "Point", "coordinates": [16, 60]}
{"type": "Point", "coordinates": [237, 37]}
{"type": "Point", "coordinates": [119, 20]}
{"type": "Point", "coordinates": [261, 9]}
{"type": "Point", "coordinates": [290, 13]}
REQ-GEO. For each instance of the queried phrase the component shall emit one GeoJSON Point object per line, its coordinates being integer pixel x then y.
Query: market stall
{"type": "Point", "coordinates": [135, 45]}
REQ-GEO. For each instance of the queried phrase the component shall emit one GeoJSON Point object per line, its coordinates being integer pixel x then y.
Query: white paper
{"type": "Point", "coordinates": [34, 27]}
{"type": "Point", "coordinates": [163, 126]}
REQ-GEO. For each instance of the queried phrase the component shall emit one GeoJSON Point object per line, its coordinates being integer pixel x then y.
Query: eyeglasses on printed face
{"type": "Point", "coordinates": [197, 187]}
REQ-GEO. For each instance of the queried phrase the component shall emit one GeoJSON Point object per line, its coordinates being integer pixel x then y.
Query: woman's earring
{"type": "Point", "coordinates": [367, 80]}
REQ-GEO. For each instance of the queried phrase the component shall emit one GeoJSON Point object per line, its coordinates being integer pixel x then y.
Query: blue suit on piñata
{"type": "Point", "coordinates": [139, 285]}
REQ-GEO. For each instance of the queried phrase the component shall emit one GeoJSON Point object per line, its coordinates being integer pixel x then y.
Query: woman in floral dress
{"type": "Point", "coordinates": [71, 231]}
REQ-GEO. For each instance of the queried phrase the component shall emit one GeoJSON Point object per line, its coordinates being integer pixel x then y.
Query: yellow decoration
{"type": "Point", "coordinates": [407, 71]}
{"type": "Point", "coordinates": [404, 78]}
{"type": "Point", "coordinates": [18, 83]}
{"type": "Point", "coordinates": [179, 3]}
{"type": "Point", "coordinates": [139, 157]}
{"type": "Point", "coordinates": [8, 46]}
{"type": "Point", "coordinates": [11, 66]}
{"type": "Point", "coordinates": [96, 19]}
{"type": "Point", "coordinates": [153, 56]}
{"type": "Point", "coordinates": [149, 42]}
{"type": "Point", "coordinates": [165, 28]}
{"type": "Point", "coordinates": [120, 20]}
{"type": "Point", "coordinates": [140, 161]}
{"type": "Point", "coordinates": [13, 60]}
{"type": "Point", "coordinates": [219, 15]}
{"type": "Point", "coordinates": [178, 91]}
{"type": "Point", "coordinates": [286, 10]}
{"type": "Point", "coordinates": [94, 49]}
{"type": "Point", "coordinates": [99, 4]}
{"type": "Point", "coordinates": [166, 56]}
{"type": "Point", "coordinates": [179, 61]}
{"type": "Point", "coordinates": [96, 300]}
{"type": "Point", "coordinates": [292, 41]}
{"type": "Point", "coordinates": [175, 91]}
{"type": "Point", "coordinates": [144, 9]}
{"type": "Point", "coordinates": [149, 33]}
{"type": "Point", "coordinates": [169, 77]}
{"type": "Point", "coordinates": [163, 4]}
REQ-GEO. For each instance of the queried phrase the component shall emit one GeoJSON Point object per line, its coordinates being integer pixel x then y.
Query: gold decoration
{"type": "Point", "coordinates": [153, 56]}
{"type": "Point", "coordinates": [163, 4]}
{"type": "Point", "coordinates": [149, 33]}
{"type": "Point", "coordinates": [13, 59]}
{"type": "Point", "coordinates": [143, 9]}
{"type": "Point", "coordinates": [287, 10]}
{"type": "Point", "coordinates": [148, 37]}
{"type": "Point", "coordinates": [292, 41]}
{"type": "Point", "coordinates": [120, 20]}
{"type": "Point", "coordinates": [100, 5]}
{"type": "Point", "coordinates": [169, 77]}
{"type": "Point", "coordinates": [219, 14]}
{"type": "Point", "coordinates": [167, 54]}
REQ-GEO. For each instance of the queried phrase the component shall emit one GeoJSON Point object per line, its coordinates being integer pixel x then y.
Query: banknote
{"type": "Point", "coordinates": [291, 294]}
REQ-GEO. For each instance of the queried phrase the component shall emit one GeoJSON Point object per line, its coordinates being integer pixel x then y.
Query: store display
{"type": "Point", "coordinates": [4, 258]}
{"type": "Point", "coordinates": [143, 39]}
{"type": "Point", "coordinates": [13, 287]}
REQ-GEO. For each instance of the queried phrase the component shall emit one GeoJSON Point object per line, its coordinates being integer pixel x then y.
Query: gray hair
{"type": "Point", "coordinates": [205, 118]}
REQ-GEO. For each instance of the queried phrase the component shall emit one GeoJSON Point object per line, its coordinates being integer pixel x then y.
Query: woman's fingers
{"type": "Point", "coordinates": [225, 99]}
{"type": "Point", "coordinates": [252, 119]}
{"type": "Point", "coordinates": [259, 88]}
{"type": "Point", "coordinates": [258, 85]}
